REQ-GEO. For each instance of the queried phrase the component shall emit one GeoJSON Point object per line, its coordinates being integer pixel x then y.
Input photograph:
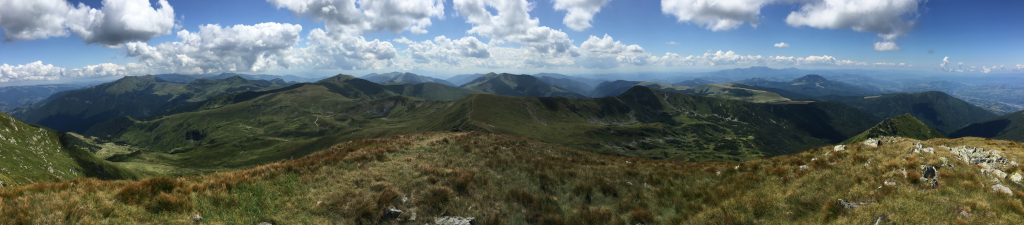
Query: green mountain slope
{"type": "Point", "coordinates": [495, 179]}
{"type": "Point", "coordinates": [615, 88]}
{"type": "Point", "coordinates": [647, 123]}
{"type": "Point", "coordinates": [939, 110]}
{"type": "Point", "coordinates": [141, 97]}
{"type": "Point", "coordinates": [281, 124]}
{"type": "Point", "coordinates": [736, 92]}
{"type": "Point", "coordinates": [517, 85]}
{"type": "Point", "coordinates": [905, 125]}
{"type": "Point", "coordinates": [1007, 127]}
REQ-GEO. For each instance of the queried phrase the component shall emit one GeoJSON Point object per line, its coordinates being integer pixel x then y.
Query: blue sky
{"type": "Point", "coordinates": [973, 36]}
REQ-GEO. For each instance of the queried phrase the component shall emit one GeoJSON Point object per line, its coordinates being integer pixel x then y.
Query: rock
{"type": "Point", "coordinates": [265, 223]}
{"type": "Point", "coordinates": [196, 218]}
{"type": "Point", "coordinates": [391, 213]}
{"type": "Point", "coordinates": [930, 172]}
{"type": "Point", "coordinates": [849, 205]}
{"type": "Point", "coordinates": [804, 167]}
{"type": "Point", "coordinates": [870, 142]}
{"type": "Point", "coordinates": [1000, 188]}
{"type": "Point", "coordinates": [1016, 177]}
{"type": "Point", "coordinates": [889, 183]}
{"type": "Point", "coordinates": [881, 220]}
{"type": "Point", "coordinates": [454, 220]}
{"type": "Point", "coordinates": [839, 148]}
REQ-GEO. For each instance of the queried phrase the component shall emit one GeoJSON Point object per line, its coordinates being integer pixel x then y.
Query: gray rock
{"type": "Point", "coordinates": [455, 220]}
{"type": "Point", "coordinates": [1000, 188]}
{"type": "Point", "coordinates": [196, 218]}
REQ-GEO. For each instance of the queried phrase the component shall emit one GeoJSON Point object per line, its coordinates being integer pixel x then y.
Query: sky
{"type": "Point", "coordinates": [53, 40]}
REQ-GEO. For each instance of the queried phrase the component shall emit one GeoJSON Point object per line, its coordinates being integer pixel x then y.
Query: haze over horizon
{"type": "Point", "coordinates": [48, 40]}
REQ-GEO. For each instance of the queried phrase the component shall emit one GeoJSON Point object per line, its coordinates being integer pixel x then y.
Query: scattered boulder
{"type": "Point", "coordinates": [454, 220]}
{"type": "Point", "coordinates": [850, 205]}
{"type": "Point", "coordinates": [839, 148]}
{"type": "Point", "coordinates": [881, 219]}
{"type": "Point", "coordinates": [871, 142]}
{"type": "Point", "coordinates": [930, 176]}
{"type": "Point", "coordinates": [265, 223]}
{"type": "Point", "coordinates": [889, 183]}
{"type": "Point", "coordinates": [1017, 178]}
{"type": "Point", "coordinates": [1000, 188]}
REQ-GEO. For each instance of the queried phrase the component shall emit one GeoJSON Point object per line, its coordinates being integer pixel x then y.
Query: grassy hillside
{"type": "Point", "coordinates": [92, 110]}
{"type": "Point", "coordinates": [905, 125]}
{"type": "Point", "coordinates": [417, 179]}
{"type": "Point", "coordinates": [647, 123]}
{"type": "Point", "coordinates": [939, 110]}
{"type": "Point", "coordinates": [281, 124]}
{"type": "Point", "coordinates": [31, 154]}
{"type": "Point", "coordinates": [1008, 127]}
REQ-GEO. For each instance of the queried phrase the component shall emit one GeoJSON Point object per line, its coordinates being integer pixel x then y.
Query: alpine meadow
{"type": "Point", "coordinates": [509, 112]}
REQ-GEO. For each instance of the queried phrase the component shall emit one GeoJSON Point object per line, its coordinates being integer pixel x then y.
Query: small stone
{"type": "Point", "coordinates": [804, 167]}
{"type": "Point", "coordinates": [1000, 188]}
{"type": "Point", "coordinates": [881, 220]}
{"type": "Point", "coordinates": [265, 223]}
{"type": "Point", "coordinates": [196, 218]}
{"type": "Point", "coordinates": [1016, 177]}
{"type": "Point", "coordinates": [889, 183]}
{"type": "Point", "coordinates": [930, 172]}
{"type": "Point", "coordinates": [839, 148]}
{"type": "Point", "coordinates": [870, 142]}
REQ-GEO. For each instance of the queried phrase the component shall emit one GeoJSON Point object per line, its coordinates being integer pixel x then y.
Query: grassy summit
{"type": "Point", "coordinates": [499, 179]}
{"type": "Point", "coordinates": [905, 125]}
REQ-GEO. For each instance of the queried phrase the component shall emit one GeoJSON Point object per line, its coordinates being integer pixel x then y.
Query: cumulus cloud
{"type": "Point", "coordinates": [39, 71]}
{"type": "Point", "coordinates": [890, 19]}
{"type": "Point", "coordinates": [1020, 66]}
{"type": "Point", "coordinates": [118, 21]}
{"type": "Point", "coordinates": [218, 49]}
{"type": "Point", "coordinates": [351, 16]}
{"type": "Point", "coordinates": [446, 50]}
{"type": "Point", "coordinates": [512, 22]}
{"type": "Point", "coordinates": [781, 45]}
{"type": "Point", "coordinates": [606, 52]}
{"type": "Point", "coordinates": [344, 51]}
{"type": "Point", "coordinates": [731, 58]}
{"type": "Point", "coordinates": [579, 13]}
{"type": "Point", "coordinates": [715, 15]}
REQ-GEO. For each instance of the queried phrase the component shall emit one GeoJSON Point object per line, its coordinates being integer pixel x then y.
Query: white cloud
{"type": "Point", "coordinates": [39, 71]}
{"type": "Point", "coordinates": [890, 19]}
{"type": "Point", "coordinates": [343, 51]}
{"type": "Point", "coordinates": [443, 49]}
{"type": "Point", "coordinates": [884, 46]}
{"type": "Point", "coordinates": [579, 13]}
{"type": "Point", "coordinates": [221, 49]}
{"type": "Point", "coordinates": [512, 22]}
{"type": "Point", "coordinates": [354, 17]}
{"type": "Point", "coordinates": [1020, 66]}
{"type": "Point", "coordinates": [781, 45]}
{"type": "Point", "coordinates": [118, 21]}
{"type": "Point", "coordinates": [606, 52]}
{"type": "Point", "coordinates": [715, 15]}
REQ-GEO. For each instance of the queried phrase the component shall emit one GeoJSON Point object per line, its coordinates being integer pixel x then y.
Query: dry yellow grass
{"type": "Point", "coordinates": [510, 180]}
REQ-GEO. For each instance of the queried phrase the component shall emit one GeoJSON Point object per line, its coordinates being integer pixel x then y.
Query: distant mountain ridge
{"type": "Point", "coordinates": [812, 85]}
{"type": "Point", "coordinates": [905, 125]}
{"type": "Point", "coordinates": [1006, 127]}
{"type": "Point", "coordinates": [517, 85]}
{"type": "Point", "coordinates": [399, 78]}
{"type": "Point", "coordinates": [939, 110]}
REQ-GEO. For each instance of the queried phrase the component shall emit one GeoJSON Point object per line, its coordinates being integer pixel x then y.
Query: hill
{"type": "Point", "coordinates": [14, 97]}
{"type": "Point", "coordinates": [1007, 127]}
{"type": "Point", "coordinates": [647, 123]}
{"type": "Point", "coordinates": [736, 92]}
{"type": "Point", "coordinates": [30, 154]}
{"type": "Point", "coordinates": [939, 110]}
{"type": "Point", "coordinates": [812, 85]}
{"type": "Point", "coordinates": [260, 127]}
{"type": "Point", "coordinates": [398, 78]}
{"type": "Point", "coordinates": [905, 125]}
{"type": "Point", "coordinates": [142, 97]}
{"type": "Point", "coordinates": [617, 87]}
{"type": "Point", "coordinates": [495, 179]}
{"type": "Point", "coordinates": [517, 85]}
